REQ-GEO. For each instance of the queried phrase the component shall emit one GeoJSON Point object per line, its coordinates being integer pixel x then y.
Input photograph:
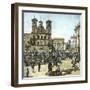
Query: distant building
{"type": "Point", "coordinates": [73, 43]}
{"type": "Point", "coordinates": [68, 45]}
{"type": "Point", "coordinates": [77, 34]}
{"type": "Point", "coordinates": [58, 43]}
{"type": "Point", "coordinates": [75, 39]}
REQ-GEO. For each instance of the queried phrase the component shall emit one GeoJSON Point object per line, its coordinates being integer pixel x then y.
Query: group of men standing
{"type": "Point", "coordinates": [39, 65]}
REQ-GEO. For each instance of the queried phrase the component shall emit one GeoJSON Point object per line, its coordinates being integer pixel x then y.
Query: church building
{"type": "Point", "coordinates": [40, 35]}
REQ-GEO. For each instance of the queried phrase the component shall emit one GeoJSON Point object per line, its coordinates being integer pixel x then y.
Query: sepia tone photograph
{"type": "Point", "coordinates": [51, 44]}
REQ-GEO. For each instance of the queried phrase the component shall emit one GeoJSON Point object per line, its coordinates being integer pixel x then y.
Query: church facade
{"type": "Point", "coordinates": [40, 35]}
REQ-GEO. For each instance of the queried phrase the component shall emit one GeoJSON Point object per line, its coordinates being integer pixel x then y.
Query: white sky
{"type": "Point", "coordinates": [62, 24]}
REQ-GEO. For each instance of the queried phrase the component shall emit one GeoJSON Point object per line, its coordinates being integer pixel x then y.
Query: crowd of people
{"type": "Point", "coordinates": [53, 58]}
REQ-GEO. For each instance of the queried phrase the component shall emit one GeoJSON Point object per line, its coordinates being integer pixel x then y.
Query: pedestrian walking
{"type": "Point", "coordinates": [27, 72]}
{"type": "Point", "coordinates": [39, 66]}
{"type": "Point", "coordinates": [49, 66]}
{"type": "Point", "coordinates": [58, 71]}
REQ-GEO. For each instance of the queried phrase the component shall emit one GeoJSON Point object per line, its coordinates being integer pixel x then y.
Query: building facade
{"type": "Point", "coordinates": [27, 37]}
{"type": "Point", "coordinates": [75, 39]}
{"type": "Point", "coordinates": [73, 43]}
{"type": "Point", "coordinates": [58, 43]}
{"type": "Point", "coordinates": [77, 34]}
{"type": "Point", "coordinates": [40, 35]}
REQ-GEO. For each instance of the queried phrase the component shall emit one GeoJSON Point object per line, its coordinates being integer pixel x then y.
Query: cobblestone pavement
{"type": "Point", "coordinates": [66, 64]}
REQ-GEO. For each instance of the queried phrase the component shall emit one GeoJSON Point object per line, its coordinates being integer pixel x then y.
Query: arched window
{"type": "Point", "coordinates": [41, 37]}
{"type": "Point", "coordinates": [37, 36]}
{"type": "Point", "coordinates": [44, 37]}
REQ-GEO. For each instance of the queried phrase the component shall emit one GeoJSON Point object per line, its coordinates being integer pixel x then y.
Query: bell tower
{"type": "Point", "coordinates": [34, 25]}
{"type": "Point", "coordinates": [48, 26]}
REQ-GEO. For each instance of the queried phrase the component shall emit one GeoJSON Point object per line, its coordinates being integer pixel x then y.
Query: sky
{"type": "Point", "coordinates": [63, 25]}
